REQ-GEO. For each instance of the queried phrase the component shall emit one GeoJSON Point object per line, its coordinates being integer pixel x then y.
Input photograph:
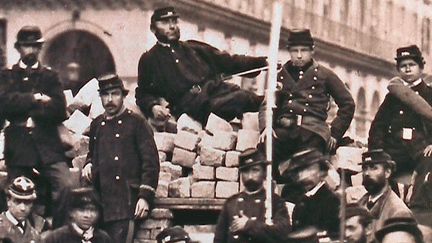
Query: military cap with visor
{"type": "Point", "coordinates": [164, 13]}
{"type": "Point", "coordinates": [111, 81]}
{"type": "Point", "coordinates": [410, 52]}
{"type": "Point", "coordinates": [300, 37]}
{"type": "Point", "coordinates": [377, 156]}
{"type": "Point", "coordinates": [251, 157]}
{"type": "Point", "coordinates": [22, 188]}
{"type": "Point", "coordinates": [173, 234]}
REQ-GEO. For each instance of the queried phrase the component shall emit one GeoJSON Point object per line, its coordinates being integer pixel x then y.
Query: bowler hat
{"type": "Point", "coordinates": [400, 224]}
{"type": "Point", "coordinates": [22, 188]}
{"type": "Point", "coordinates": [300, 37]}
{"type": "Point", "coordinates": [164, 13]}
{"type": "Point", "coordinates": [302, 159]}
{"type": "Point", "coordinates": [30, 35]}
{"type": "Point", "coordinates": [305, 235]}
{"type": "Point", "coordinates": [251, 157]}
{"type": "Point", "coordinates": [377, 156]}
{"type": "Point", "coordinates": [111, 81]}
{"type": "Point", "coordinates": [81, 197]}
{"type": "Point", "coordinates": [172, 234]}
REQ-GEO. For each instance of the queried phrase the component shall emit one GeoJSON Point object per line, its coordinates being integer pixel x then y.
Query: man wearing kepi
{"type": "Point", "coordinates": [122, 163]}
{"type": "Point", "coordinates": [380, 200]}
{"type": "Point", "coordinates": [14, 223]}
{"type": "Point", "coordinates": [32, 100]}
{"type": "Point", "coordinates": [399, 126]}
{"type": "Point", "coordinates": [302, 101]}
{"type": "Point", "coordinates": [188, 75]}
{"type": "Point", "coordinates": [242, 216]}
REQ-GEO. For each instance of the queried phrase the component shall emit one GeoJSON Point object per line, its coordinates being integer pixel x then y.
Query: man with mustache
{"type": "Point", "coordinates": [242, 217]}
{"type": "Point", "coordinates": [357, 223]}
{"type": "Point", "coordinates": [318, 206]}
{"type": "Point", "coordinates": [32, 100]}
{"type": "Point", "coordinates": [187, 74]}
{"type": "Point", "coordinates": [122, 162]}
{"type": "Point", "coordinates": [380, 200]}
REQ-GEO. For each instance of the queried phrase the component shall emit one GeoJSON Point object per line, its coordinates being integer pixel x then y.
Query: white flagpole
{"type": "Point", "coordinates": [270, 96]}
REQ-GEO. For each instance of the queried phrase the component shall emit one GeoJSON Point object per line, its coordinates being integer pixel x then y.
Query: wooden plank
{"type": "Point", "coordinates": [190, 203]}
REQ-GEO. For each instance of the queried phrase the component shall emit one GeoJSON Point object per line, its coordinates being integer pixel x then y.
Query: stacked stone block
{"type": "Point", "coordinates": [160, 218]}
{"type": "Point", "coordinates": [207, 158]}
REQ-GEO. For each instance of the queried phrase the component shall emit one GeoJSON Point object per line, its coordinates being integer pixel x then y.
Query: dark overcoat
{"type": "Point", "coordinates": [310, 97]}
{"type": "Point", "coordinates": [66, 234]}
{"type": "Point", "coordinates": [320, 210]}
{"type": "Point", "coordinates": [255, 230]}
{"type": "Point", "coordinates": [125, 163]}
{"type": "Point", "coordinates": [25, 147]}
{"type": "Point", "coordinates": [171, 71]}
{"type": "Point", "coordinates": [388, 126]}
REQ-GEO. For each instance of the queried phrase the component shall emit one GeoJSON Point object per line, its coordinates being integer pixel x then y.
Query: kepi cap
{"type": "Point", "coordinates": [22, 188]}
{"type": "Point", "coordinates": [81, 197]}
{"type": "Point", "coordinates": [172, 234]}
{"type": "Point", "coordinates": [164, 13]}
{"type": "Point", "coordinates": [30, 35]}
{"type": "Point", "coordinates": [302, 159]}
{"type": "Point", "coordinates": [300, 37]}
{"type": "Point", "coordinates": [377, 156]}
{"type": "Point", "coordinates": [251, 157]}
{"type": "Point", "coordinates": [111, 81]}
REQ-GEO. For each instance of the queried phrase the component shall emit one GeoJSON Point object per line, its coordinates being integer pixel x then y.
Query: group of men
{"type": "Point", "coordinates": [177, 77]}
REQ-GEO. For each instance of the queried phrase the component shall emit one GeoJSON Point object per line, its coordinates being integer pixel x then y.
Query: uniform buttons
{"type": "Point", "coordinates": [300, 76]}
{"type": "Point", "coordinates": [120, 122]}
{"type": "Point", "coordinates": [176, 60]}
{"type": "Point", "coordinates": [304, 110]}
{"type": "Point", "coordinates": [94, 138]}
{"type": "Point", "coordinates": [254, 218]}
{"type": "Point", "coordinates": [310, 96]}
{"type": "Point", "coordinates": [290, 95]}
{"type": "Point", "coordinates": [290, 101]}
{"type": "Point", "coordinates": [172, 50]}
{"type": "Point", "coordinates": [316, 69]}
{"type": "Point", "coordinates": [235, 237]}
{"type": "Point", "coordinates": [25, 79]}
{"type": "Point", "coordinates": [281, 77]}
{"type": "Point", "coordinates": [102, 123]}
{"type": "Point", "coordinates": [117, 178]}
{"type": "Point", "coordinates": [307, 104]}
{"type": "Point", "coordinates": [291, 111]}
{"type": "Point", "coordinates": [413, 128]}
{"type": "Point", "coordinates": [240, 199]}
{"type": "Point", "coordinates": [116, 158]}
{"type": "Point", "coordinates": [416, 92]}
{"type": "Point", "coordinates": [301, 72]}
{"type": "Point", "coordinates": [315, 78]}
{"type": "Point", "coordinates": [117, 135]}
{"type": "Point", "coordinates": [401, 112]}
{"type": "Point", "coordinates": [257, 201]}
{"type": "Point", "coordinates": [129, 111]}
{"type": "Point", "coordinates": [313, 87]}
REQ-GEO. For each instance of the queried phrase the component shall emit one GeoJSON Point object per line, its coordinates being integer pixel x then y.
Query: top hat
{"type": "Point", "coordinates": [172, 234]}
{"type": "Point", "coordinates": [164, 13]}
{"type": "Point", "coordinates": [377, 156]}
{"type": "Point", "coordinates": [251, 157]}
{"type": "Point", "coordinates": [22, 188]}
{"type": "Point", "coordinates": [300, 37]}
{"type": "Point", "coordinates": [110, 81]}
{"type": "Point", "coordinates": [306, 235]}
{"type": "Point", "coordinates": [302, 159]}
{"type": "Point", "coordinates": [30, 35]}
{"type": "Point", "coordinates": [83, 196]}
{"type": "Point", "coordinates": [400, 224]}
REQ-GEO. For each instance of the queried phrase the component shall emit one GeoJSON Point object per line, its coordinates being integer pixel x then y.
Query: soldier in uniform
{"type": "Point", "coordinates": [380, 200]}
{"type": "Point", "coordinates": [398, 128]}
{"type": "Point", "coordinates": [318, 206]}
{"type": "Point", "coordinates": [188, 75]}
{"type": "Point", "coordinates": [242, 216]}
{"type": "Point", "coordinates": [302, 102]}
{"type": "Point", "coordinates": [122, 162]}
{"type": "Point", "coordinates": [32, 100]}
{"type": "Point", "coordinates": [14, 223]}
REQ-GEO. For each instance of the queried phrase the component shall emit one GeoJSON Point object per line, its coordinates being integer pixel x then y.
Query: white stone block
{"type": "Point", "coordinates": [174, 170]}
{"type": "Point", "coordinates": [217, 124]}
{"type": "Point", "coordinates": [247, 139]}
{"type": "Point", "coordinates": [202, 172]}
{"type": "Point", "coordinates": [179, 188]}
{"type": "Point", "coordinates": [227, 174]}
{"type": "Point", "coordinates": [203, 189]}
{"type": "Point", "coordinates": [225, 189]}
{"type": "Point", "coordinates": [232, 159]}
{"type": "Point", "coordinates": [186, 140]}
{"type": "Point", "coordinates": [250, 121]}
{"type": "Point", "coordinates": [162, 189]}
{"type": "Point", "coordinates": [187, 123]}
{"type": "Point", "coordinates": [183, 157]}
{"type": "Point", "coordinates": [220, 140]}
{"type": "Point", "coordinates": [210, 156]}
{"type": "Point", "coordinates": [164, 141]}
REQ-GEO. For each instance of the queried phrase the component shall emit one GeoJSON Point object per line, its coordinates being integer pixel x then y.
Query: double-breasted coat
{"type": "Point", "coordinates": [252, 206]}
{"type": "Point", "coordinates": [400, 131]}
{"type": "Point", "coordinates": [175, 72]}
{"type": "Point", "coordinates": [66, 234]}
{"type": "Point", "coordinates": [41, 144]}
{"type": "Point", "coordinates": [125, 163]}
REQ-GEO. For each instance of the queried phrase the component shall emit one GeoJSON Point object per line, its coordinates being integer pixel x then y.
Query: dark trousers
{"type": "Point", "coordinates": [50, 180]}
{"type": "Point", "coordinates": [121, 230]}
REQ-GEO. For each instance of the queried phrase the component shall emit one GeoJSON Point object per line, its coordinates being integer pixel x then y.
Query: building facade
{"type": "Point", "coordinates": [355, 38]}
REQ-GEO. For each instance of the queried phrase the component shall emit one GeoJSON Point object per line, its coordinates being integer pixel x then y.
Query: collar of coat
{"type": "Point", "coordinates": [305, 82]}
